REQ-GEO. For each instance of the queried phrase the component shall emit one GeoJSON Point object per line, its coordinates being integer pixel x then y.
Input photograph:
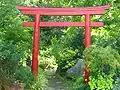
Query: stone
{"type": "Point", "coordinates": [77, 69]}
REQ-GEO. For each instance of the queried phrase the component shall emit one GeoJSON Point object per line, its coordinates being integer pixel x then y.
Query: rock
{"type": "Point", "coordinates": [77, 69]}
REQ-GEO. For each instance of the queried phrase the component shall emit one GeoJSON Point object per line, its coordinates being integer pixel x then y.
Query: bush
{"type": "Point", "coordinates": [78, 84]}
{"type": "Point", "coordinates": [9, 61]}
{"type": "Point", "coordinates": [12, 71]}
{"type": "Point", "coordinates": [46, 60]}
{"type": "Point", "coordinates": [116, 86]}
{"type": "Point", "coordinates": [103, 63]}
{"type": "Point", "coordinates": [24, 75]}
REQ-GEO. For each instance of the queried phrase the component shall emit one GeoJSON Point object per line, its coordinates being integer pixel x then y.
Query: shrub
{"type": "Point", "coordinates": [11, 71]}
{"type": "Point", "coordinates": [9, 60]}
{"type": "Point", "coordinates": [24, 75]}
{"type": "Point", "coordinates": [116, 86]}
{"type": "Point", "coordinates": [46, 60]}
{"type": "Point", "coordinates": [103, 63]}
{"type": "Point", "coordinates": [78, 84]}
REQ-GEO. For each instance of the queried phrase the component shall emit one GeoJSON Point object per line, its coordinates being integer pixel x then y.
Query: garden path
{"type": "Point", "coordinates": [55, 82]}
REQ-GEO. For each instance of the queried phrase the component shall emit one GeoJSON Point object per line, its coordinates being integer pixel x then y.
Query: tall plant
{"type": "Point", "coordinates": [103, 63]}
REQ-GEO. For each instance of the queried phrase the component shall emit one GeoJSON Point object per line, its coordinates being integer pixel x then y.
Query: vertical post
{"type": "Point", "coordinates": [36, 38]}
{"type": "Point", "coordinates": [87, 31]}
{"type": "Point", "coordinates": [87, 43]}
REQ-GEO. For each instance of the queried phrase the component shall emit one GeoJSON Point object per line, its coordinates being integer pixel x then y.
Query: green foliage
{"type": "Point", "coordinates": [11, 28]}
{"type": "Point", "coordinates": [66, 49]}
{"type": "Point", "coordinates": [99, 57]}
{"type": "Point", "coordinates": [78, 84]}
{"type": "Point", "coordinates": [116, 86]}
{"type": "Point", "coordinates": [47, 34]}
{"type": "Point", "coordinates": [24, 75]}
{"type": "Point", "coordinates": [41, 82]}
{"type": "Point", "coordinates": [103, 63]}
{"type": "Point", "coordinates": [101, 82]}
{"type": "Point", "coordinates": [109, 34]}
{"type": "Point", "coordinates": [47, 61]}
{"type": "Point", "coordinates": [15, 45]}
{"type": "Point", "coordinates": [9, 60]}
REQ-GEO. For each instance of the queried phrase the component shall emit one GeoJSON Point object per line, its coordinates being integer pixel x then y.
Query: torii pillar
{"type": "Point", "coordinates": [37, 12]}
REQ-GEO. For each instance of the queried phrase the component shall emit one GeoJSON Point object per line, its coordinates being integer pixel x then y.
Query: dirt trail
{"type": "Point", "coordinates": [56, 83]}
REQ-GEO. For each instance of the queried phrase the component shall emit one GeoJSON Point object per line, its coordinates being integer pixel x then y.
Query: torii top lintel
{"type": "Point", "coordinates": [64, 11]}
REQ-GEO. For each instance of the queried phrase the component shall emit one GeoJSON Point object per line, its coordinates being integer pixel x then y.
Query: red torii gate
{"type": "Point", "coordinates": [86, 11]}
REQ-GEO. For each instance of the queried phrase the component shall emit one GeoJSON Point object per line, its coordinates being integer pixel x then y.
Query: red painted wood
{"type": "Point", "coordinates": [64, 11]}
{"type": "Point", "coordinates": [87, 31]}
{"type": "Point", "coordinates": [58, 13]}
{"type": "Point", "coordinates": [36, 39]}
{"type": "Point", "coordinates": [60, 24]}
{"type": "Point", "coordinates": [23, 8]}
{"type": "Point", "coordinates": [86, 74]}
{"type": "Point", "coordinates": [87, 43]}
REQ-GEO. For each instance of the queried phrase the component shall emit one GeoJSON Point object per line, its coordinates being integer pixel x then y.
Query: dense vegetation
{"type": "Point", "coordinates": [60, 46]}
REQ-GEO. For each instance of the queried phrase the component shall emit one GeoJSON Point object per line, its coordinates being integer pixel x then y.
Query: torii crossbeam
{"type": "Point", "coordinates": [37, 12]}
